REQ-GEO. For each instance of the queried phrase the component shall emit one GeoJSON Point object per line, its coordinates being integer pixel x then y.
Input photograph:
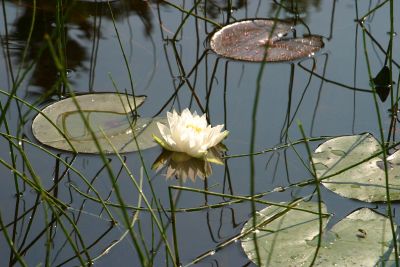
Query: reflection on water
{"type": "Point", "coordinates": [75, 43]}
{"type": "Point", "coordinates": [296, 8]}
{"type": "Point", "coordinates": [216, 8]}
{"type": "Point", "coordinates": [329, 93]}
{"type": "Point", "coordinates": [182, 166]}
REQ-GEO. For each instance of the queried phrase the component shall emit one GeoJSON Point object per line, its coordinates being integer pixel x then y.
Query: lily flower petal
{"type": "Point", "coordinates": [189, 133]}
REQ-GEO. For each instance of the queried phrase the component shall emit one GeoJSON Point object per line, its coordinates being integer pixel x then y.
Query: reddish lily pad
{"type": "Point", "coordinates": [248, 40]}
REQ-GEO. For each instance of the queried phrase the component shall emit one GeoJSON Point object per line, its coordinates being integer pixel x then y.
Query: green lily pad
{"type": "Point", "coordinates": [283, 241]}
{"type": "Point", "coordinates": [366, 181]}
{"type": "Point", "coordinates": [363, 238]}
{"type": "Point", "coordinates": [109, 116]}
{"type": "Point", "coordinates": [248, 39]}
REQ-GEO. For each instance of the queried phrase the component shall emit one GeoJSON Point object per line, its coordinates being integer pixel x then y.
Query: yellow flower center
{"type": "Point", "coordinates": [194, 127]}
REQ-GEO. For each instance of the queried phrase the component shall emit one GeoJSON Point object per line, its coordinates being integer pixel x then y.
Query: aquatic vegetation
{"type": "Point", "coordinates": [353, 167]}
{"type": "Point", "coordinates": [263, 40]}
{"type": "Point", "coordinates": [71, 196]}
{"type": "Point", "coordinates": [189, 133]}
{"type": "Point", "coordinates": [77, 123]}
{"type": "Point", "coordinates": [382, 83]}
{"type": "Point", "coordinates": [189, 145]}
{"type": "Point", "coordinates": [290, 237]}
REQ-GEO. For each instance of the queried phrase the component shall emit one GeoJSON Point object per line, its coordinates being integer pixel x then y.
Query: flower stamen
{"type": "Point", "coordinates": [194, 127]}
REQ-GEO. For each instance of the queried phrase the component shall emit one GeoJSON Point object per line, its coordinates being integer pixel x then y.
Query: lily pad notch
{"type": "Point", "coordinates": [248, 40]}
{"type": "Point", "coordinates": [110, 118]}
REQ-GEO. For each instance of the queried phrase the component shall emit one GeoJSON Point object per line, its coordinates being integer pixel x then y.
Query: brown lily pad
{"type": "Point", "coordinates": [249, 39]}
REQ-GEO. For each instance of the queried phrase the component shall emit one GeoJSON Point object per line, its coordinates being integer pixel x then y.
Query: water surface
{"type": "Point", "coordinates": [328, 93]}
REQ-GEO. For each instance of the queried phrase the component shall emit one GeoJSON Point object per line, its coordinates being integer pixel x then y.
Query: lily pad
{"type": "Point", "coordinates": [366, 181]}
{"type": "Point", "coordinates": [363, 238]}
{"type": "Point", "coordinates": [283, 241]}
{"type": "Point", "coordinates": [248, 40]}
{"type": "Point", "coordinates": [109, 116]}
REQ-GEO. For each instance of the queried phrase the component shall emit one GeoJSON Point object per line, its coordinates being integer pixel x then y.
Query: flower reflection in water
{"type": "Point", "coordinates": [183, 166]}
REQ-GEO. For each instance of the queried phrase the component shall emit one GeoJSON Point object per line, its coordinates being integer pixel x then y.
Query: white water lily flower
{"type": "Point", "coordinates": [189, 133]}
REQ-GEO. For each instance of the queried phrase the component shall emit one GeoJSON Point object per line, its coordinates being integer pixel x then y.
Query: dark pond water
{"type": "Point", "coordinates": [328, 93]}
